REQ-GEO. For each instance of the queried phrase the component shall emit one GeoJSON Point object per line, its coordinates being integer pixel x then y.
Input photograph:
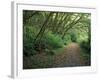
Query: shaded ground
{"type": "Point", "coordinates": [69, 56]}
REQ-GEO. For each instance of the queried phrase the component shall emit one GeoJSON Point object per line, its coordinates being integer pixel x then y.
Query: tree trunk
{"type": "Point", "coordinates": [71, 25]}
{"type": "Point", "coordinates": [43, 27]}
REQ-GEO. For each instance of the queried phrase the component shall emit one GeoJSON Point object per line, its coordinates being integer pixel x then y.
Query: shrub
{"type": "Point", "coordinates": [39, 45]}
{"type": "Point", "coordinates": [28, 37]}
{"type": "Point", "coordinates": [73, 37]}
{"type": "Point", "coordinates": [54, 41]}
{"type": "Point", "coordinates": [86, 46]}
{"type": "Point", "coordinates": [67, 39]}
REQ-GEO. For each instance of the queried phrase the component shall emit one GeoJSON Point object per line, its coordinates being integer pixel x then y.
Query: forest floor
{"type": "Point", "coordinates": [71, 55]}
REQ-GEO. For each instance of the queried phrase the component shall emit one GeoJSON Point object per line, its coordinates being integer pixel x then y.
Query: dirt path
{"type": "Point", "coordinates": [71, 56]}
{"type": "Point", "coordinates": [68, 57]}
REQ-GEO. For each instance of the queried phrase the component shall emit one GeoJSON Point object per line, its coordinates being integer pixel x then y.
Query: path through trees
{"type": "Point", "coordinates": [56, 39]}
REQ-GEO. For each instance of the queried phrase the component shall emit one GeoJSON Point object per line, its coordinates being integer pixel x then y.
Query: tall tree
{"type": "Point", "coordinates": [43, 27]}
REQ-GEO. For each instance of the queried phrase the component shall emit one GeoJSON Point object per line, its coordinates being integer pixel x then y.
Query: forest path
{"type": "Point", "coordinates": [70, 56]}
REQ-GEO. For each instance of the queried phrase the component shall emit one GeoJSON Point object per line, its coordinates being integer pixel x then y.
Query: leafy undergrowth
{"type": "Point", "coordinates": [42, 60]}
{"type": "Point", "coordinates": [61, 58]}
{"type": "Point", "coordinates": [86, 58]}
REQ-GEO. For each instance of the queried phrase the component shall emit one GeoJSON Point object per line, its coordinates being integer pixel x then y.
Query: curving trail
{"type": "Point", "coordinates": [70, 56]}
{"type": "Point", "coordinates": [73, 53]}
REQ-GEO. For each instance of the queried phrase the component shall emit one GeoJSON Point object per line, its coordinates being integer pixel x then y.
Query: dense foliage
{"type": "Point", "coordinates": [46, 32]}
